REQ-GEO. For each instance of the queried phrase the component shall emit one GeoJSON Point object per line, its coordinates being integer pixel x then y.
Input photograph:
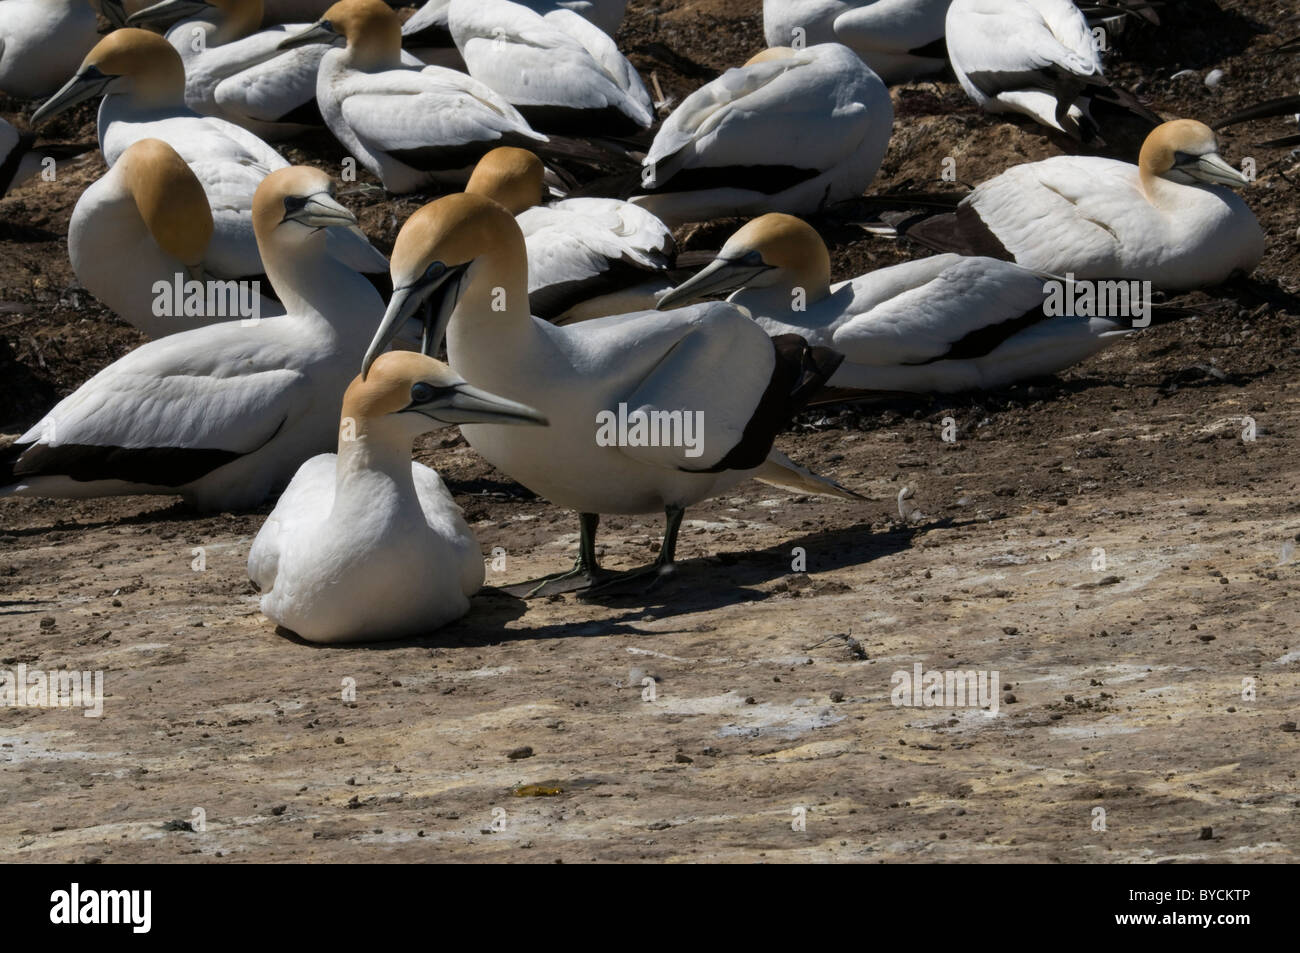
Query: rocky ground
{"type": "Point", "coordinates": [1109, 543]}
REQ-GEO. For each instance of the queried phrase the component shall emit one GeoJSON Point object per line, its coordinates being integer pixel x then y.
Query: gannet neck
{"type": "Point", "coordinates": [771, 54]}
{"type": "Point", "coordinates": [376, 455]}
{"type": "Point", "coordinates": [510, 177]}
{"type": "Point", "coordinates": [373, 32]}
{"type": "Point", "coordinates": [169, 198]}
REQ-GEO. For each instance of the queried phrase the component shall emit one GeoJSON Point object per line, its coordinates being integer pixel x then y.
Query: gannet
{"type": "Point", "coordinates": [41, 42]}
{"type": "Point", "coordinates": [427, 33]}
{"type": "Point", "coordinates": [366, 544]}
{"type": "Point", "coordinates": [946, 323]}
{"type": "Point", "coordinates": [587, 257]}
{"type": "Point", "coordinates": [410, 128]}
{"type": "Point", "coordinates": [144, 222]}
{"type": "Point", "coordinates": [898, 39]}
{"type": "Point", "coordinates": [562, 72]}
{"type": "Point", "coordinates": [1166, 220]}
{"type": "Point", "coordinates": [790, 131]}
{"type": "Point", "coordinates": [142, 81]}
{"type": "Point", "coordinates": [708, 366]}
{"type": "Point", "coordinates": [224, 414]}
{"type": "Point", "coordinates": [1035, 57]}
{"type": "Point", "coordinates": [235, 70]}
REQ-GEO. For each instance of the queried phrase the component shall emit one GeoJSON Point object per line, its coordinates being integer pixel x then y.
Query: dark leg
{"type": "Point", "coordinates": [585, 572]}
{"type": "Point", "coordinates": [664, 566]}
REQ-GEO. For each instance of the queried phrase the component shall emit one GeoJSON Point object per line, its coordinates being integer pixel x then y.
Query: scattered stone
{"type": "Point", "coordinates": [519, 754]}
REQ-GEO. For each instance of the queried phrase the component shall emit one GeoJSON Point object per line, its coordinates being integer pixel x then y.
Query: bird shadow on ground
{"type": "Point", "coordinates": [178, 511]}
{"type": "Point", "coordinates": [699, 585]}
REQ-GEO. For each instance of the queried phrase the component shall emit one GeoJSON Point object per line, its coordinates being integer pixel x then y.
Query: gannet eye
{"type": "Point", "coordinates": [421, 393]}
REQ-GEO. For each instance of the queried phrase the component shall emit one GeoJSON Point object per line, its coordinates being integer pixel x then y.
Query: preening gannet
{"type": "Point", "coordinates": [587, 257]}
{"type": "Point", "coordinates": [147, 221]}
{"type": "Point", "coordinates": [236, 70]}
{"type": "Point", "coordinates": [142, 81]}
{"type": "Point", "coordinates": [1166, 220]}
{"type": "Point", "coordinates": [708, 367]}
{"type": "Point", "coordinates": [898, 39]}
{"type": "Point", "coordinates": [41, 42]}
{"type": "Point", "coordinates": [223, 414]}
{"type": "Point", "coordinates": [945, 323]}
{"type": "Point", "coordinates": [790, 131]}
{"type": "Point", "coordinates": [563, 73]}
{"type": "Point", "coordinates": [366, 544]}
{"type": "Point", "coordinates": [409, 127]}
{"type": "Point", "coordinates": [1035, 57]}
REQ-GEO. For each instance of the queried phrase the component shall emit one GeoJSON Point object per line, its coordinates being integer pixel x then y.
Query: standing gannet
{"type": "Point", "coordinates": [1102, 218]}
{"type": "Point", "coordinates": [715, 386]}
{"type": "Point", "coordinates": [790, 131]}
{"type": "Point", "coordinates": [1035, 57]}
{"type": "Point", "coordinates": [366, 544]}
{"type": "Point", "coordinates": [224, 414]}
{"type": "Point", "coordinates": [562, 72]}
{"type": "Point", "coordinates": [898, 39]}
{"type": "Point", "coordinates": [147, 221]}
{"type": "Point", "coordinates": [587, 257]}
{"type": "Point", "coordinates": [946, 323]}
{"type": "Point", "coordinates": [142, 81]}
{"type": "Point", "coordinates": [411, 128]}
{"type": "Point", "coordinates": [41, 42]}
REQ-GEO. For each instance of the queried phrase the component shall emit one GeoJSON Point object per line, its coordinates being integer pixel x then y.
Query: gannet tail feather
{"type": "Point", "coordinates": [780, 471]}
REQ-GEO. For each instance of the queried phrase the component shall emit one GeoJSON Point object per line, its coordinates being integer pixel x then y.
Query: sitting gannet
{"type": "Point", "coordinates": [708, 367]}
{"type": "Point", "coordinates": [790, 131]}
{"type": "Point", "coordinates": [236, 70]}
{"type": "Point", "coordinates": [898, 39]}
{"type": "Point", "coordinates": [587, 257]}
{"type": "Point", "coordinates": [945, 323]}
{"type": "Point", "coordinates": [143, 84]}
{"type": "Point", "coordinates": [563, 73]}
{"type": "Point", "coordinates": [411, 128]}
{"type": "Point", "coordinates": [41, 42]}
{"type": "Point", "coordinates": [145, 222]}
{"type": "Point", "coordinates": [223, 414]}
{"type": "Point", "coordinates": [1102, 218]}
{"type": "Point", "coordinates": [1035, 57]}
{"type": "Point", "coordinates": [366, 544]}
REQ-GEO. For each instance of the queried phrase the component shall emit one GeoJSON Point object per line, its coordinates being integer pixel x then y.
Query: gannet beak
{"type": "Point", "coordinates": [1212, 168]}
{"type": "Point", "coordinates": [720, 276]}
{"type": "Point", "coordinates": [317, 211]}
{"type": "Point", "coordinates": [168, 10]}
{"type": "Point", "coordinates": [87, 84]}
{"type": "Point", "coordinates": [467, 404]}
{"type": "Point", "coordinates": [322, 31]}
{"type": "Point", "coordinates": [439, 286]}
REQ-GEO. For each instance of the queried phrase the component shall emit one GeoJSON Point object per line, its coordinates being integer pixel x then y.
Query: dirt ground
{"type": "Point", "coordinates": [524, 732]}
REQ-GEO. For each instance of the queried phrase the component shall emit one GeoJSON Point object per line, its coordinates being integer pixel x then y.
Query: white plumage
{"type": "Point", "coordinates": [142, 81]}
{"type": "Point", "coordinates": [365, 544]}
{"type": "Point", "coordinates": [562, 73]}
{"type": "Point", "coordinates": [790, 131]}
{"type": "Point", "coordinates": [1027, 56]}
{"type": "Point", "coordinates": [410, 128]}
{"type": "Point", "coordinates": [1167, 220]}
{"type": "Point", "coordinates": [41, 42]}
{"type": "Point", "coordinates": [898, 39]}
{"type": "Point", "coordinates": [223, 414]}
{"type": "Point", "coordinates": [945, 323]}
